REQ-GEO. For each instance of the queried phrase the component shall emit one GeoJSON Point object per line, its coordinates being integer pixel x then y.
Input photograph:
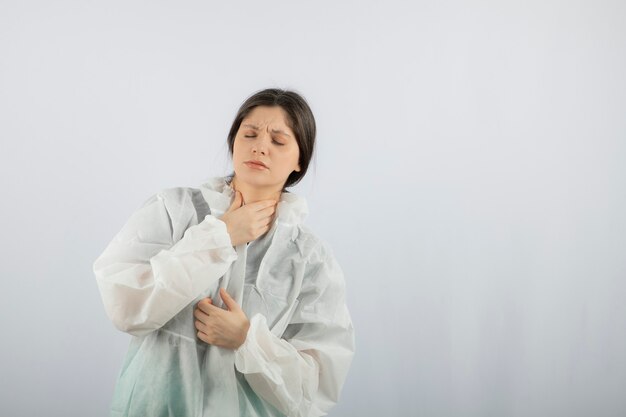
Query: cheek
{"type": "Point", "coordinates": [237, 149]}
{"type": "Point", "coordinates": [286, 162]}
{"type": "Point", "coordinates": [294, 158]}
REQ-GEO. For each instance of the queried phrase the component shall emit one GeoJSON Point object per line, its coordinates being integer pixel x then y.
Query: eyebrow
{"type": "Point", "coordinates": [273, 130]}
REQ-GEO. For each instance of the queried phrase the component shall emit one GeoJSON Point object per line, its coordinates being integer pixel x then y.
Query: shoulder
{"type": "Point", "coordinates": [179, 205]}
{"type": "Point", "coordinates": [321, 264]}
{"type": "Point", "coordinates": [322, 295]}
{"type": "Point", "coordinates": [174, 195]}
{"type": "Point", "coordinates": [311, 246]}
{"type": "Point", "coordinates": [178, 200]}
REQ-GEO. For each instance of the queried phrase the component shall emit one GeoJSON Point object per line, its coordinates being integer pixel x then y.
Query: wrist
{"type": "Point", "coordinates": [228, 231]}
{"type": "Point", "coordinates": [246, 327]}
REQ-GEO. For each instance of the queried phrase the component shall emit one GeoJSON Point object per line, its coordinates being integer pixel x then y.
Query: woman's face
{"type": "Point", "coordinates": [264, 136]}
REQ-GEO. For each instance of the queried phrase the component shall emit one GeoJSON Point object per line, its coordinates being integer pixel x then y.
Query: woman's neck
{"type": "Point", "coordinates": [251, 194]}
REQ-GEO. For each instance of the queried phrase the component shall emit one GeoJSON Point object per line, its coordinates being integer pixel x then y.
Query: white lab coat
{"type": "Point", "coordinates": [174, 251]}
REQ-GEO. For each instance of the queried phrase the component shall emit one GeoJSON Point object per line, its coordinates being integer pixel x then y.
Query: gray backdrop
{"type": "Point", "coordinates": [469, 177]}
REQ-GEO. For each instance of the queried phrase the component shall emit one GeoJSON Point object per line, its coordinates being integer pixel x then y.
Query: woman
{"type": "Point", "coordinates": [237, 308]}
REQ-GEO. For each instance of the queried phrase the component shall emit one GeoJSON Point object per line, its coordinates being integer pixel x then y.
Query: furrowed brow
{"type": "Point", "coordinates": [281, 132]}
{"type": "Point", "coordinates": [273, 130]}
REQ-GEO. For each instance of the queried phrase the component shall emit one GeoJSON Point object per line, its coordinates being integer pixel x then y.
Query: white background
{"type": "Point", "coordinates": [469, 177]}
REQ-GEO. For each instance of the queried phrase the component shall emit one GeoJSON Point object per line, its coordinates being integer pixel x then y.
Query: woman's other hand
{"type": "Point", "coordinates": [247, 222]}
{"type": "Point", "coordinates": [216, 326]}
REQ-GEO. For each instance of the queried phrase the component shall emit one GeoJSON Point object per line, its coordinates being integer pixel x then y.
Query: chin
{"type": "Point", "coordinates": [255, 180]}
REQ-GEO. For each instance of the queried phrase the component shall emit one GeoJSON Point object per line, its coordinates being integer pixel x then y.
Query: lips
{"type": "Point", "coordinates": [256, 163]}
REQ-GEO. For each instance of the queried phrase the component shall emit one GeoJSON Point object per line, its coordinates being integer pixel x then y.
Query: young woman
{"type": "Point", "coordinates": [236, 307]}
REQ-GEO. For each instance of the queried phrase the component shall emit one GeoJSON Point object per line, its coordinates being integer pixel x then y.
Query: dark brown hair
{"type": "Point", "coordinates": [299, 119]}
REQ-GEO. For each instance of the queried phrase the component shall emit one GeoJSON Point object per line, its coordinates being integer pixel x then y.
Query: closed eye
{"type": "Point", "coordinates": [275, 141]}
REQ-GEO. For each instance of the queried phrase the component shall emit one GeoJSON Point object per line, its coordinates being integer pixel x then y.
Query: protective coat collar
{"type": "Point", "coordinates": [291, 210]}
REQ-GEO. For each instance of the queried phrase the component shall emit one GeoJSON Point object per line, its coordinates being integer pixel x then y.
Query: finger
{"type": "Point", "coordinates": [265, 226]}
{"type": "Point", "coordinates": [267, 211]}
{"type": "Point", "coordinates": [202, 336]}
{"type": "Point", "coordinates": [228, 300]}
{"type": "Point", "coordinates": [201, 315]}
{"type": "Point", "coordinates": [204, 300]}
{"type": "Point", "coordinates": [260, 205]}
{"type": "Point", "coordinates": [201, 327]}
{"type": "Point", "coordinates": [208, 307]}
{"type": "Point", "coordinates": [261, 229]}
{"type": "Point", "coordinates": [265, 217]}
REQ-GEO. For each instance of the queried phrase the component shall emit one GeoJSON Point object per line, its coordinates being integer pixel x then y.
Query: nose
{"type": "Point", "coordinates": [260, 145]}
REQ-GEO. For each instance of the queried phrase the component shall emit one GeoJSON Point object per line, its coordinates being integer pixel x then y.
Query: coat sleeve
{"type": "Point", "coordinates": [155, 266]}
{"type": "Point", "coordinates": [302, 372]}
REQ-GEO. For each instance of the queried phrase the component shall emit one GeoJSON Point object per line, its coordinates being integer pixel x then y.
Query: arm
{"type": "Point", "coordinates": [302, 373]}
{"type": "Point", "coordinates": [145, 277]}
